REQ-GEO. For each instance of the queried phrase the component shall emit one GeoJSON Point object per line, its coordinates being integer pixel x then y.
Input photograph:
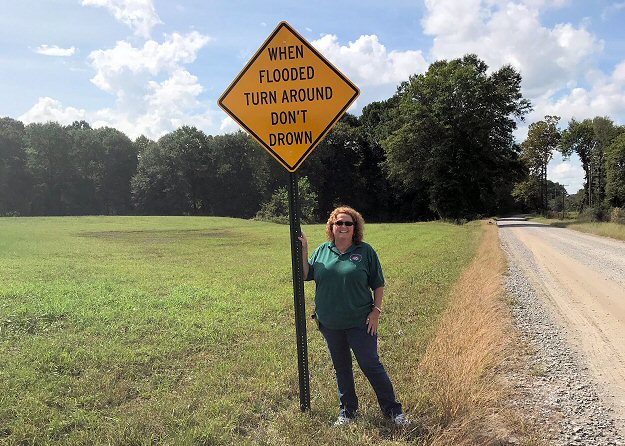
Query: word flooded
{"type": "Point", "coordinates": [286, 74]}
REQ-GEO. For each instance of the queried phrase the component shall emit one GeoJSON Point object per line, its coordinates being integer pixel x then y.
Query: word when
{"type": "Point", "coordinates": [286, 52]}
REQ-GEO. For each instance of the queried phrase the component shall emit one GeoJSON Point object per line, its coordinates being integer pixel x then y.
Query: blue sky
{"type": "Point", "coordinates": [150, 66]}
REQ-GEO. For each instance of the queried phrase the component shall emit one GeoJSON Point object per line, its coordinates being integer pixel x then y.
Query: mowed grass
{"type": "Point", "coordinates": [180, 330]}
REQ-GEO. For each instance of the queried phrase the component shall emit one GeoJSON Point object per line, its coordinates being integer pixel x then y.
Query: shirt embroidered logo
{"type": "Point", "coordinates": [356, 258]}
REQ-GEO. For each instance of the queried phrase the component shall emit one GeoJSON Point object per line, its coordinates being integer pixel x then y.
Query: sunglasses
{"type": "Point", "coordinates": [346, 223]}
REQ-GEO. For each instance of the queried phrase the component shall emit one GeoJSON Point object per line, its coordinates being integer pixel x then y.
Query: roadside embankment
{"type": "Point", "coordinates": [464, 364]}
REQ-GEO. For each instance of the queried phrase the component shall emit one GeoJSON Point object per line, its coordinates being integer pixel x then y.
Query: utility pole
{"type": "Point", "coordinates": [563, 194]}
{"type": "Point", "coordinates": [590, 184]}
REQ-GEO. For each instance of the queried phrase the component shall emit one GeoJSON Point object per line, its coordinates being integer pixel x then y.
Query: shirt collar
{"type": "Point", "coordinates": [337, 250]}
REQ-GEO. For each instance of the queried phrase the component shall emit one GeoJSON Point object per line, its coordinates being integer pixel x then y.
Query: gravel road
{"type": "Point", "coordinates": [568, 290]}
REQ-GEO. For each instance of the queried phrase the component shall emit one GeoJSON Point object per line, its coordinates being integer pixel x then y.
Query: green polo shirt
{"type": "Point", "coordinates": [343, 297]}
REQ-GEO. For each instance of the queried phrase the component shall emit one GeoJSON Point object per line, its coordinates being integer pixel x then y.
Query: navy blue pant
{"type": "Point", "coordinates": [365, 348]}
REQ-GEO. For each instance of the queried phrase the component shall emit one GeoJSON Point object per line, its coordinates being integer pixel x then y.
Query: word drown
{"type": "Point", "coordinates": [288, 96]}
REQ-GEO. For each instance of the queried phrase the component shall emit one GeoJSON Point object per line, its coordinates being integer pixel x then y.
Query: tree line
{"type": "Point", "coordinates": [441, 147]}
{"type": "Point", "coordinates": [600, 145]}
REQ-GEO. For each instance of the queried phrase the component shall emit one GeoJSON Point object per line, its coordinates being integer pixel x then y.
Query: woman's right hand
{"type": "Point", "coordinates": [305, 265]}
{"type": "Point", "coordinates": [302, 238]}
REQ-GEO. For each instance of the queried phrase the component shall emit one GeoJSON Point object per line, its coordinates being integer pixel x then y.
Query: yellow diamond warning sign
{"type": "Point", "coordinates": [288, 96]}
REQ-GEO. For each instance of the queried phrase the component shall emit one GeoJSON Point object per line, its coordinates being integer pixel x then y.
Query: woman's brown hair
{"type": "Point", "coordinates": [359, 223]}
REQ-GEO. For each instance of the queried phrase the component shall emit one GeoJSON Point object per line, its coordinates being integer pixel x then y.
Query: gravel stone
{"type": "Point", "coordinates": [557, 390]}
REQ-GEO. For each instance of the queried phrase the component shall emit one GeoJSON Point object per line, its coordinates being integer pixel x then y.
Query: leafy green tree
{"type": "Point", "coordinates": [604, 132]}
{"type": "Point", "coordinates": [529, 193]}
{"type": "Point", "coordinates": [380, 199]}
{"type": "Point", "coordinates": [173, 174]}
{"type": "Point", "coordinates": [86, 153]}
{"type": "Point", "coordinates": [187, 172]}
{"type": "Point", "coordinates": [15, 180]}
{"type": "Point", "coordinates": [589, 139]}
{"type": "Point", "coordinates": [556, 197]}
{"type": "Point", "coordinates": [48, 149]}
{"type": "Point", "coordinates": [543, 138]}
{"type": "Point", "coordinates": [141, 143]}
{"type": "Point", "coordinates": [277, 208]}
{"type": "Point", "coordinates": [578, 138]}
{"type": "Point", "coordinates": [150, 186]}
{"type": "Point", "coordinates": [105, 161]}
{"type": "Point", "coordinates": [452, 137]}
{"type": "Point", "coordinates": [615, 169]}
{"type": "Point", "coordinates": [332, 167]}
{"type": "Point", "coordinates": [379, 121]}
{"type": "Point", "coordinates": [119, 164]}
{"type": "Point", "coordinates": [239, 174]}
{"type": "Point", "coordinates": [345, 169]}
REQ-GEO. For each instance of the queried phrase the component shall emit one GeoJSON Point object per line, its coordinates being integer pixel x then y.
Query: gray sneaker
{"type": "Point", "coordinates": [342, 420]}
{"type": "Point", "coordinates": [401, 420]}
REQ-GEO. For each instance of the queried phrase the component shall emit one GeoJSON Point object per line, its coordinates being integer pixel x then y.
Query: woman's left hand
{"type": "Point", "coordinates": [373, 320]}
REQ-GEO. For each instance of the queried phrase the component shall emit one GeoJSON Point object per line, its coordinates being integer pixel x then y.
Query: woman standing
{"type": "Point", "coordinates": [345, 270]}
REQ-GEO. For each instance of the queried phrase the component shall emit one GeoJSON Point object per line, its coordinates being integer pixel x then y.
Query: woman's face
{"type": "Point", "coordinates": [340, 230]}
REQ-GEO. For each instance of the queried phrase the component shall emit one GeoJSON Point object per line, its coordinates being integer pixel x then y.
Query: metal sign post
{"type": "Point", "coordinates": [298, 294]}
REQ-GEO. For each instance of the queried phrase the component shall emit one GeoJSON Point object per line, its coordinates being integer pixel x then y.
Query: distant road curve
{"type": "Point", "coordinates": [582, 277]}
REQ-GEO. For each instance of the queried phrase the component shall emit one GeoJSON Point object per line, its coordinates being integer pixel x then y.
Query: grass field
{"type": "Point", "coordinates": [604, 229]}
{"type": "Point", "coordinates": [179, 330]}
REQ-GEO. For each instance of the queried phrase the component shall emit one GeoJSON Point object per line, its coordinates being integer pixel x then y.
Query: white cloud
{"type": "Point", "coordinates": [154, 92]}
{"type": "Point", "coordinates": [619, 73]}
{"type": "Point", "coordinates": [164, 107]}
{"type": "Point", "coordinates": [505, 32]}
{"type": "Point", "coordinates": [173, 103]}
{"type": "Point", "coordinates": [54, 50]}
{"type": "Point", "coordinates": [611, 10]}
{"type": "Point", "coordinates": [606, 97]}
{"type": "Point", "coordinates": [139, 15]}
{"type": "Point", "coordinates": [453, 20]}
{"type": "Point", "coordinates": [145, 105]}
{"type": "Point", "coordinates": [177, 92]}
{"type": "Point", "coordinates": [228, 125]}
{"type": "Point", "coordinates": [558, 63]}
{"type": "Point", "coordinates": [567, 172]}
{"type": "Point", "coordinates": [575, 45]}
{"type": "Point", "coordinates": [113, 66]}
{"type": "Point", "coordinates": [48, 109]}
{"type": "Point", "coordinates": [368, 63]}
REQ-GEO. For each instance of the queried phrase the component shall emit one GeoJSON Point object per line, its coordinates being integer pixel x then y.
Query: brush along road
{"type": "Point", "coordinates": [582, 279]}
